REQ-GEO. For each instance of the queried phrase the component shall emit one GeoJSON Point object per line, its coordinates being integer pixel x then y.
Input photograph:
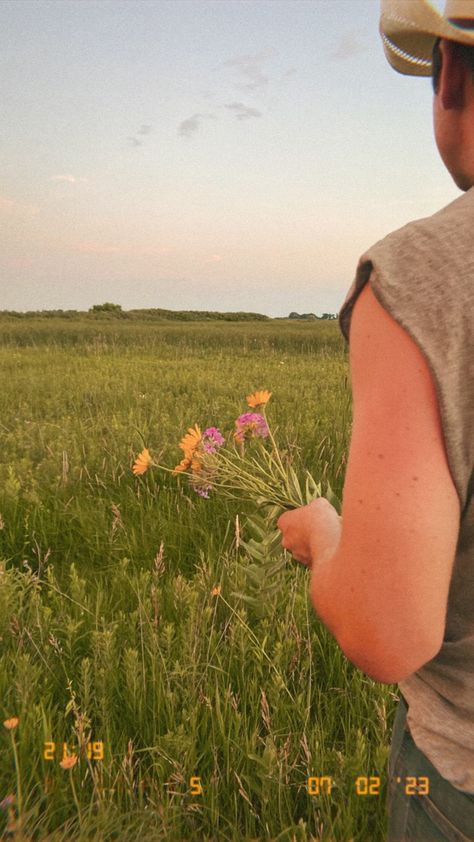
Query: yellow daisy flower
{"type": "Point", "coordinates": [196, 464]}
{"type": "Point", "coordinates": [183, 465]}
{"type": "Point", "coordinates": [142, 462]}
{"type": "Point", "coordinates": [190, 441]}
{"type": "Point", "coordinates": [258, 398]}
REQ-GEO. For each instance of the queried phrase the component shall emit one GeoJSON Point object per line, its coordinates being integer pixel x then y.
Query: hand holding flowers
{"type": "Point", "coordinates": [250, 465]}
{"type": "Point", "coordinates": [312, 532]}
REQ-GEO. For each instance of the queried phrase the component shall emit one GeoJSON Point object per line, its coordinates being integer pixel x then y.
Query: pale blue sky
{"type": "Point", "coordinates": [203, 154]}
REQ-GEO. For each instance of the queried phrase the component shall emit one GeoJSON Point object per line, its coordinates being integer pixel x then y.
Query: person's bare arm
{"type": "Point", "coordinates": [384, 592]}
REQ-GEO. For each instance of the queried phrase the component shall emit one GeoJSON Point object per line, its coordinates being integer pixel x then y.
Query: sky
{"type": "Point", "coordinates": [203, 154]}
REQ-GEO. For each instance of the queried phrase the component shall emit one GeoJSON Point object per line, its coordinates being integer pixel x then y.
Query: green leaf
{"type": "Point", "coordinates": [312, 489]}
{"type": "Point", "coordinates": [333, 499]}
{"type": "Point", "coordinates": [253, 549]}
{"type": "Point", "coordinates": [294, 485]}
{"type": "Point", "coordinates": [272, 569]}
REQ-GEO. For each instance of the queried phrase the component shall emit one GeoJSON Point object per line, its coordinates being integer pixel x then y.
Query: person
{"type": "Point", "coordinates": [393, 578]}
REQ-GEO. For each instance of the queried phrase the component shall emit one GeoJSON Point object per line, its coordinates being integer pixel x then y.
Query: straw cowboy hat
{"type": "Point", "coordinates": [409, 29]}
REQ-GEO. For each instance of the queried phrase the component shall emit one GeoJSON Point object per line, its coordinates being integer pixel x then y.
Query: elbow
{"type": "Point", "coordinates": [386, 641]}
{"type": "Point", "coordinates": [390, 662]}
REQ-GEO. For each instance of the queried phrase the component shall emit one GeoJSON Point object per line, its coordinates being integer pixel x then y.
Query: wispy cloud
{"type": "Point", "coordinates": [69, 179]}
{"type": "Point", "coordinates": [214, 258]}
{"type": "Point", "coordinates": [191, 125]}
{"type": "Point", "coordinates": [351, 44]}
{"type": "Point", "coordinates": [250, 67]}
{"type": "Point", "coordinates": [243, 112]}
{"type": "Point", "coordinates": [142, 131]}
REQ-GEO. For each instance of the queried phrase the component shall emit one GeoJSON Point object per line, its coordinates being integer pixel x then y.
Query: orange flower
{"type": "Point", "coordinates": [216, 591]}
{"type": "Point", "coordinates": [196, 464]}
{"type": "Point", "coordinates": [259, 398]}
{"type": "Point", "coordinates": [69, 761]}
{"type": "Point", "coordinates": [190, 441]}
{"type": "Point", "coordinates": [11, 723]}
{"type": "Point", "coordinates": [142, 462]}
{"type": "Point", "coordinates": [183, 465]}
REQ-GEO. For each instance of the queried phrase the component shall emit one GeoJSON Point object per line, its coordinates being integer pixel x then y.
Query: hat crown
{"type": "Point", "coordinates": [459, 9]}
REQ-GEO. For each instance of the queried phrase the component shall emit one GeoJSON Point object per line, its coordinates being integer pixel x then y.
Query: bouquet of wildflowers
{"type": "Point", "coordinates": [249, 465]}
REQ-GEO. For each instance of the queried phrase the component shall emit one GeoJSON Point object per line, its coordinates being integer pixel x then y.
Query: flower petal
{"type": "Point", "coordinates": [259, 398]}
{"type": "Point", "coordinates": [142, 462]}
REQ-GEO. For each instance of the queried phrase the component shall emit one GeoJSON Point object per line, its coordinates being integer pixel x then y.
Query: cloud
{"type": "Point", "coordinates": [250, 67]}
{"type": "Point", "coordinates": [143, 130]}
{"type": "Point", "coordinates": [214, 258]}
{"type": "Point", "coordinates": [243, 112]}
{"type": "Point", "coordinates": [70, 179]}
{"type": "Point", "coordinates": [191, 125]}
{"type": "Point", "coordinates": [349, 45]}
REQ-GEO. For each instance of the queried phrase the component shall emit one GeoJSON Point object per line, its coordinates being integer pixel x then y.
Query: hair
{"type": "Point", "coordinates": [464, 51]}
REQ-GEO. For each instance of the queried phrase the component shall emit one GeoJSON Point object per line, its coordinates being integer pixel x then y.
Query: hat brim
{"type": "Point", "coordinates": [409, 29]}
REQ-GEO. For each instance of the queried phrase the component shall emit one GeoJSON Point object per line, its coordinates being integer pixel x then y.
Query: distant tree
{"type": "Point", "coordinates": [305, 316]}
{"type": "Point", "coordinates": [329, 316]}
{"type": "Point", "coordinates": [108, 307]}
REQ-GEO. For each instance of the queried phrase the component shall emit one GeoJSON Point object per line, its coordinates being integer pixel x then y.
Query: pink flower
{"type": "Point", "coordinates": [212, 438]}
{"type": "Point", "coordinates": [250, 425]}
{"type": "Point", "coordinates": [203, 490]}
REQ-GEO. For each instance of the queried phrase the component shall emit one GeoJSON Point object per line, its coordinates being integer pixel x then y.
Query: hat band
{"type": "Point", "coordinates": [463, 23]}
{"type": "Point", "coordinates": [421, 62]}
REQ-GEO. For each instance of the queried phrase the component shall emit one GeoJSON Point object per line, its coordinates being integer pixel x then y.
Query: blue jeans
{"type": "Point", "coordinates": [444, 815]}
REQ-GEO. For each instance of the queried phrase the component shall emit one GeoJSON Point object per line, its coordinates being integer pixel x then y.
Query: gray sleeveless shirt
{"type": "Point", "coordinates": [423, 276]}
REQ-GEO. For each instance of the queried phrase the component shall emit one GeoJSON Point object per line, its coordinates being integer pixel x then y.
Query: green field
{"type": "Point", "coordinates": [112, 641]}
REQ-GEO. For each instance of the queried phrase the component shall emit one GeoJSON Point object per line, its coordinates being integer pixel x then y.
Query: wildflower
{"type": "Point", "coordinates": [196, 464]}
{"type": "Point", "coordinates": [142, 462]}
{"type": "Point", "coordinates": [202, 489]}
{"type": "Point", "coordinates": [183, 465]}
{"type": "Point", "coordinates": [190, 441]}
{"type": "Point", "coordinates": [212, 439]}
{"type": "Point", "coordinates": [259, 398]}
{"type": "Point", "coordinates": [7, 802]}
{"type": "Point", "coordinates": [11, 723]}
{"type": "Point", "coordinates": [250, 425]}
{"type": "Point", "coordinates": [69, 761]}
{"type": "Point", "coordinates": [216, 591]}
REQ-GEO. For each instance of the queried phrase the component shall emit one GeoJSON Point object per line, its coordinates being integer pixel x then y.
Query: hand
{"type": "Point", "coordinates": [311, 532]}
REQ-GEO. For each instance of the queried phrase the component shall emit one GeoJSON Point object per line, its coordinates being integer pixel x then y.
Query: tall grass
{"type": "Point", "coordinates": [119, 629]}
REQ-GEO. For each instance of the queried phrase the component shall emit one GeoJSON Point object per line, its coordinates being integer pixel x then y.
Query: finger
{"type": "Point", "coordinates": [281, 522]}
{"type": "Point", "coordinates": [320, 501]}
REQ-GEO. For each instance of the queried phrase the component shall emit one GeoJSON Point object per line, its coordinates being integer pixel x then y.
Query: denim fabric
{"type": "Point", "coordinates": [446, 814]}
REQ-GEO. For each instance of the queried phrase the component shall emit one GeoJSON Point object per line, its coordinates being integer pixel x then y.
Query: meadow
{"type": "Point", "coordinates": [192, 713]}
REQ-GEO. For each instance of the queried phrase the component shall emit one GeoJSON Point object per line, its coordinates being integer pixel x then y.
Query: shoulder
{"type": "Point", "coordinates": [437, 249]}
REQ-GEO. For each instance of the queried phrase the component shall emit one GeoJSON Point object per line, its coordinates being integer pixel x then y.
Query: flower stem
{"type": "Point", "coordinates": [18, 779]}
{"type": "Point", "coordinates": [75, 798]}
